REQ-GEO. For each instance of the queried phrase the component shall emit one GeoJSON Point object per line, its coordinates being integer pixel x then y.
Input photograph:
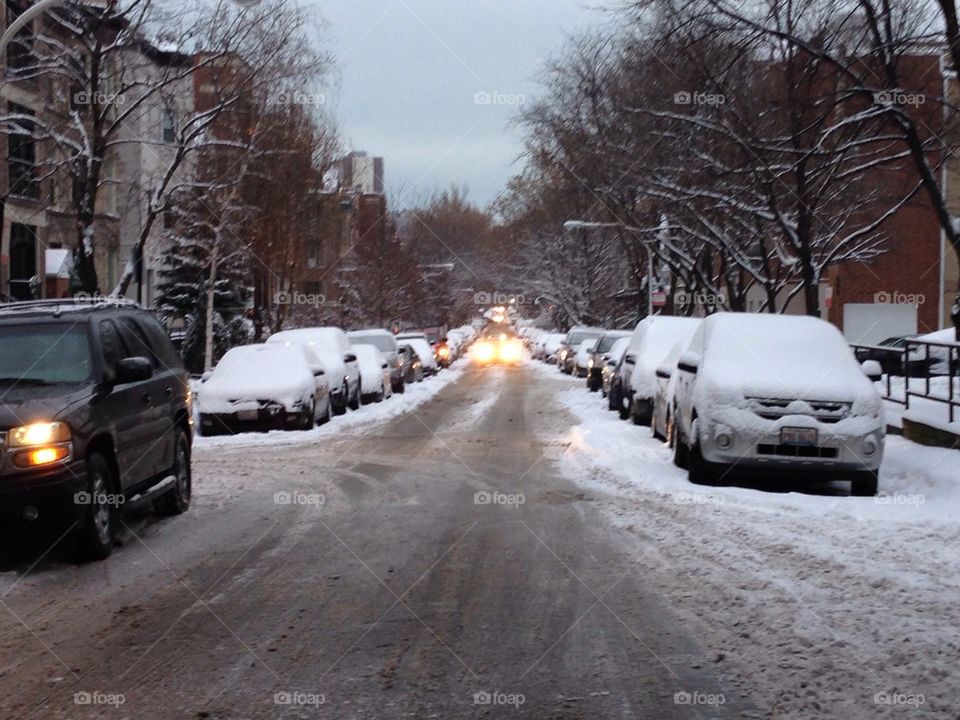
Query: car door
{"type": "Point", "coordinates": [124, 405]}
{"type": "Point", "coordinates": [155, 395]}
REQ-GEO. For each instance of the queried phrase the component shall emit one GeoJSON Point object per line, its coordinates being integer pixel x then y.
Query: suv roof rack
{"type": "Point", "coordinates": [75, 303]}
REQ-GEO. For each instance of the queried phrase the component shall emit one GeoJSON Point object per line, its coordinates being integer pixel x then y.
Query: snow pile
{"type": "Point", "coordinates": [654, 338]}
{"type": "Point", "coordinates": [250, 373]}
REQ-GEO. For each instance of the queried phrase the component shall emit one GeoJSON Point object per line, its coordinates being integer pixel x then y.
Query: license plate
{"type": "Point", "coordinates": [798, 436]}
{"type": "Point", "coordinates": [247, 415]}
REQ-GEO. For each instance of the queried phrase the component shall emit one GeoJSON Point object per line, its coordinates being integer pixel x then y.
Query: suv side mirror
{"type": "Point", "coordinates": [629, 359]}
{"type": "Point", "coordinates": [206, 376]}
{"type": "Point", "coordinates": [873, 370]}
{"type": "Point", "coordinates": [349, 357]}
{"type": "Point", "coordinates": [689, 362]}
{"type": "Point", "coordinates": [133, 369]}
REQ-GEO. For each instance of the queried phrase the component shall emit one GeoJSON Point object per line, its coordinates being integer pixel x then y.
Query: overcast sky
{"type": "Point", "coordinates": [409, 72]}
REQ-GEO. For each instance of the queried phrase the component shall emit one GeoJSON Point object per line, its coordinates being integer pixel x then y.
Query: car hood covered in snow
{"type": "Point", "coordinates": [780, 357]}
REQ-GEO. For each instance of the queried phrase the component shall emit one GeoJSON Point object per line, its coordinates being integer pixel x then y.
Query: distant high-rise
{"type": "Point", "coordinates": [362, 173]}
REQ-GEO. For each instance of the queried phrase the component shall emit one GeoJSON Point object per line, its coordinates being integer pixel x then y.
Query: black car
{"type": "Point", "coordinates": [890, 353]}
{"type": "Point", "coordinates": [95, 418]}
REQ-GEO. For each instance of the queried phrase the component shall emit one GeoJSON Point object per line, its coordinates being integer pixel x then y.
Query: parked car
{"type": "Point", "coordinates": [890, 354]}
{"type": "Point", "coordinates": [375, 380]}
{"type": "Point", "coordinates": [779, 393]}
{"type": "Point", "coordinates": [601, 354]}
{"type": "Point", "coordinates": [583, 357]}
{"type": "Point", "coordinates": [660, 422]}
{"type": "Point", "coordinates": [270, 386]}
{"type": "Point", "coordinates": [332, 346]}
{"type": "Point", "coordinates": [551, 347]}
{"type": "Point", "coordinates": [96, 418]}
{"type": "Point", "coordinates": [386, 343]}
{"type": "Point", "coordinates": [610, 364]}
{"type": "Point", "coordinates": [421, 346]}
{"type": "Point", "coordinates": [653, 338]}
{"type": "Point", "coordinates": [412, 367]}
{"type": "Point", "coordinates": [571, 341]}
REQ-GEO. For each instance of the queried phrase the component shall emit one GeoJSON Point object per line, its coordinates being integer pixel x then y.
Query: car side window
{"type": "Point", "coordinates": [135, 339]}
{"type": "Point", "coordinates": [160, 343]}
{"type": "Point", "coordinates": [114, 348]}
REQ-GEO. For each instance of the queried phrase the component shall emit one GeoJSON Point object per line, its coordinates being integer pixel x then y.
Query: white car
{"type": "Point", "coordinates": [780, 393]}
{"type": "Point", "coordinates": [261, 387]}
{"type": "Point", "coordinates": [422, 347]}
{"type": "Point", "coordinates": [386, 343]}
{"type": "Point", "coordinates": [582, 356]}
{"type": "Point", "coordinates": [653, 338]}
{"type": "Point", "coordinates": [375, 381]}
{"type": "Point", "coordinates": [660, 422]}
{"type": "Point", "coordinates": [333, 348]}
{"type": "Point", "coordinates": [551, 346]}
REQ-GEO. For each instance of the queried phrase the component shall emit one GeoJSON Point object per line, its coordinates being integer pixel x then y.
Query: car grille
{"type": "Point", "coordinates": [801, 451]}
{"type": "Point", "coordinates": [825, 411]}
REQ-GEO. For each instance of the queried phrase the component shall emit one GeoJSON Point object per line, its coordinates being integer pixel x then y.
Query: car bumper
{"type": "Point", "coordinates": [51, 491]}
{"type": "Point", "coordinates": [840, 452]}
{"type": "Point", "coordinates": [230, 423]}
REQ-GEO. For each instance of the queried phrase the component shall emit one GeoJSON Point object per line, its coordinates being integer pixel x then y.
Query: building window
{"type": "Point", "coordinates": [314, 252]}
{"type": "Point", "coordinates": [22, 157]}
{"type": "Point", "coordinates": [20, 52]}
{"type": "Point", "coordinates": [169, 125]}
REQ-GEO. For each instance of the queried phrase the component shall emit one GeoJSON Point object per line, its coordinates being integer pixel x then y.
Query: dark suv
{"type": "Point", "coordinates": [95, 418]}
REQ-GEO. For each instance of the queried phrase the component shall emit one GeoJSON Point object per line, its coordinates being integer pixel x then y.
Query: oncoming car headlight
{"type": "Point", "coordinates": [39, 444]}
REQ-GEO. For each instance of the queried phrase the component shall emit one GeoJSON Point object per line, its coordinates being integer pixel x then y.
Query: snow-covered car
{"type": "Point", "coordinates": [333, 348]}
{"type": "Point", "coordinates": [421, 346]}
{"type": "Point", "coordinates": [412, 367]}
{"type": "Point", "coordinates": [268, 386]}
{"type": "Point", "coordinates": [653, 338]}
{"type": "Point", "coordinates": [660, 422]}
{"type": "Point", "coordinates": [375, 380]}
{"type": "Point", "coordinates": [583, 356]}
{"type": "Point", "coordinates": [386, 343]}
{"type": "Point", "coordinates": [551, 347]}
{"type": "Point", "coordinates": [777, 393]}
{"type": "Point", "coordinates": [566, 354]}
{"type": "Point", "coordinates": [610, 364]}
{"type": "Point", "coordinates": [599, 357]}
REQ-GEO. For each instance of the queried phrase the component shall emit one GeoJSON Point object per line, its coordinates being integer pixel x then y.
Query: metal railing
{"type": "Point", "coordinates": [929, 369]}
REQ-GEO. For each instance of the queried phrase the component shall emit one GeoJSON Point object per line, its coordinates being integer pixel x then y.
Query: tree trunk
{"type": "Point", "coordinates": [211, 297]}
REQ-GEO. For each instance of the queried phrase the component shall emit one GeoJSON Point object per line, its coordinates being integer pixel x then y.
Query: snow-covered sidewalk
{"type": "Point", "coordinates": [816, 604]}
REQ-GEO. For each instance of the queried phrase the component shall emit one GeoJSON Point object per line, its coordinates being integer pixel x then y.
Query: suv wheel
{"type": "Point", "coordinates": [680, 451]}
{"type": "Point", "coordinates": [95, 534]}
{"type": "Point", "coordinates": [340, 407]}
{"type": "Point", "coordinates": [700, 471]}
{"type": "Point", "coordinates": [177, 501]}
{"type": "Point", "coordinates": [864, 484]}
{"type": "Point", "coordinates": [355, 400]}
{"type": "Point", "coordinates": [625, 406]}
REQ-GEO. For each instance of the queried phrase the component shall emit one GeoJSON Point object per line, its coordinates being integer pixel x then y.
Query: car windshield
{"type": "Point", "coordinates": [45, 353]}
{"type": "Point", "coordinates": [607, 342]}
{"type": "Point", "coordinates": [578, 336]}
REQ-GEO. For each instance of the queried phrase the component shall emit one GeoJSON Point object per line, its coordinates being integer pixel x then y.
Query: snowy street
{"type": "Point", "coordinates": [496, 544]}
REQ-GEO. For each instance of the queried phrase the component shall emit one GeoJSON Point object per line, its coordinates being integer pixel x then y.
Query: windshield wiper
{"type": "Point", "coordinates": [23, 381]}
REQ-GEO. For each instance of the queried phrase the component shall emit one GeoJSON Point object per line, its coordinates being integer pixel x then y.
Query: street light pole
{"type": "Point", "coordinates": [587, 225]}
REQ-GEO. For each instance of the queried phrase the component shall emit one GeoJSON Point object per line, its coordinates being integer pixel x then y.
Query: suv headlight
{"type": "Point", "coordinates": [39, 444]}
